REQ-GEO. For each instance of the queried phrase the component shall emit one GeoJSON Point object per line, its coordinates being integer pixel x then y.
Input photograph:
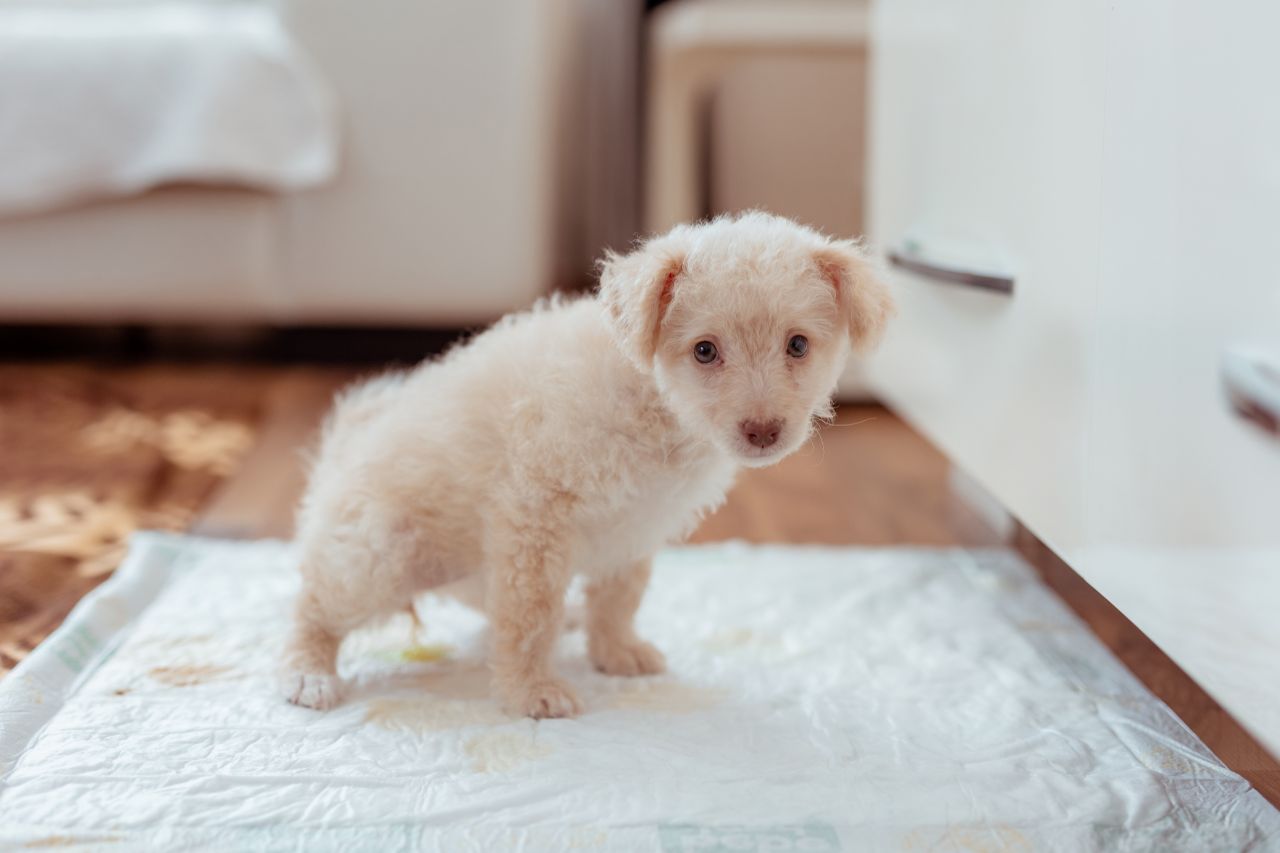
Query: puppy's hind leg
{"type": "Point", "coordinates": [327, 610]}
{"type": "Point", "coordinates": [309, 675]}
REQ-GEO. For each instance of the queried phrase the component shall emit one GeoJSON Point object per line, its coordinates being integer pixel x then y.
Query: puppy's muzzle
{"type": "Point", "coordinates": [762, 434]}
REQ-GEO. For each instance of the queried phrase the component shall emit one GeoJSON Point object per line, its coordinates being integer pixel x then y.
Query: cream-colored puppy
{"type": "Point", "coordinates": [577, 438]}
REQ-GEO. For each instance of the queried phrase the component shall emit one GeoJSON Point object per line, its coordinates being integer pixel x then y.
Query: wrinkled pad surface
{"type": "Point", "coordinates": [818, 699]}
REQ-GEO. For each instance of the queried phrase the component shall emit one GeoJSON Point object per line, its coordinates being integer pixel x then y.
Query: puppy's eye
{"type": "Point", "coordinates": [797, 346]}
{"type": "Point", "coordinates": [704, 352]}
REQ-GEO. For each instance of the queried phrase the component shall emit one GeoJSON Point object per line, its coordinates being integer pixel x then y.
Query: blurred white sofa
{"type": "Point", "coordinates": [447, 209]}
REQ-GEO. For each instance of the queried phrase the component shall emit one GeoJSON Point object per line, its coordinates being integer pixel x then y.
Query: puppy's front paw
{"type": "Point", "coordinates": [317, 690]}
{"type": "Point", "coordinates": [626, 657]}
{"type": "Point", "coordinates": [544, 699]}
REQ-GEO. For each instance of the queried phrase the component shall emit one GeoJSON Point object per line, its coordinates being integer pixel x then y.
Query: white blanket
{"type": "Point", "coordinates": [112, 100]}
{"type": "Point", "coordinates": [818, 699]}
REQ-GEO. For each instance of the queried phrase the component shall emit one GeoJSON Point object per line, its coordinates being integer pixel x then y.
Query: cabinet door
{"type": "Point", "coordinates": [1183, 513]}
{"type": "Point", "coordinates": [985, 143]}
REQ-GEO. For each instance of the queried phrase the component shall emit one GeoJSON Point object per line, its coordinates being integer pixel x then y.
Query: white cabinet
{"type": "Point", "coordinates": [1122, 163]}
{"type": "Point", "coordinates": [1190, 263]}
{"type": "Point", "coordinates": [985, 134]}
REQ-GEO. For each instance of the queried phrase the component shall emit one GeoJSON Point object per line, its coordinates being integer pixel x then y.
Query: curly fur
{"type": "Point", "coordinates": [576, 438]}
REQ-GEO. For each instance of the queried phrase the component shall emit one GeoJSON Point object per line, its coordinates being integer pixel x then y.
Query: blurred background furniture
{"type": "Point", "coordinates": [104, 100]}
{"type": "Point", "coordinates": [459, 123]}
{"type": "Point", "coordinates": [738, 88]}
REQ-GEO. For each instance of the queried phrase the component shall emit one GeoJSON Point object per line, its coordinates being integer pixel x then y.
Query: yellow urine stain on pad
{"type": "Point", "coordinates": [432, 714]}
{"type": "Point", "coordinates": [419, 653]}
{"type": "Point", "coordinates": [733, 638]}
{"type": "Point", "coordinates": [71, 841]}
{"type": "Point", "coordinates": [763, 646]}
{"type": "Point", "coordinates": [188, 675]}
{"type": "Point", "coordinates": [502, 752]}
{"type": "Point", "coordinates": [665, 696]}
{"type": "Point", "coordinates": [1168, 761]}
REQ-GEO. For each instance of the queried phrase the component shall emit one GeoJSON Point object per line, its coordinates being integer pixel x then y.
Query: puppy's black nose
{"type": "Point", "coordinates": [761, 433]}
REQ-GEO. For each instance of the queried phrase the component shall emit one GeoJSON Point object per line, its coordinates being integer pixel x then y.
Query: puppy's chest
{"type": "Point", "coordinates": [650, 512]}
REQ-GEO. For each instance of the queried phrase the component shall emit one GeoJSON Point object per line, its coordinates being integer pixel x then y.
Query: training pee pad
{"type": "Point", "coordinates": [817, 699]}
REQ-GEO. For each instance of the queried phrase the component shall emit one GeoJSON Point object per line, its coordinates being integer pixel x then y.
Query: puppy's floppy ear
{"type": "Point", "coordinates": [864, 300]}
{"type": "Point", "coordinates": [636, 290]}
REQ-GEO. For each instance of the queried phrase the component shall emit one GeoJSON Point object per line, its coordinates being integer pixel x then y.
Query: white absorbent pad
{"type": "Point", "coordinates": [817, 699]}
{"type": "Point", "coordinates": [111, 99]}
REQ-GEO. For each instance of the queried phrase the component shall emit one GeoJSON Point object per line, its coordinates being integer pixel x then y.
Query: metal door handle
{"type": "Point", "coordinates": [915, 261]}
{"type": "Point", "coordinates": [1251, 380]}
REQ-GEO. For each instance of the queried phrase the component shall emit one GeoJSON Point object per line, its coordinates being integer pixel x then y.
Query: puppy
{"type": "Point", "coordinates": [579, 437]}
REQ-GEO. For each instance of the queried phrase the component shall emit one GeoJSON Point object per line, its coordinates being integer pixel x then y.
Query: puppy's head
{"type": "Point", "coordinates": [746, 324]}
